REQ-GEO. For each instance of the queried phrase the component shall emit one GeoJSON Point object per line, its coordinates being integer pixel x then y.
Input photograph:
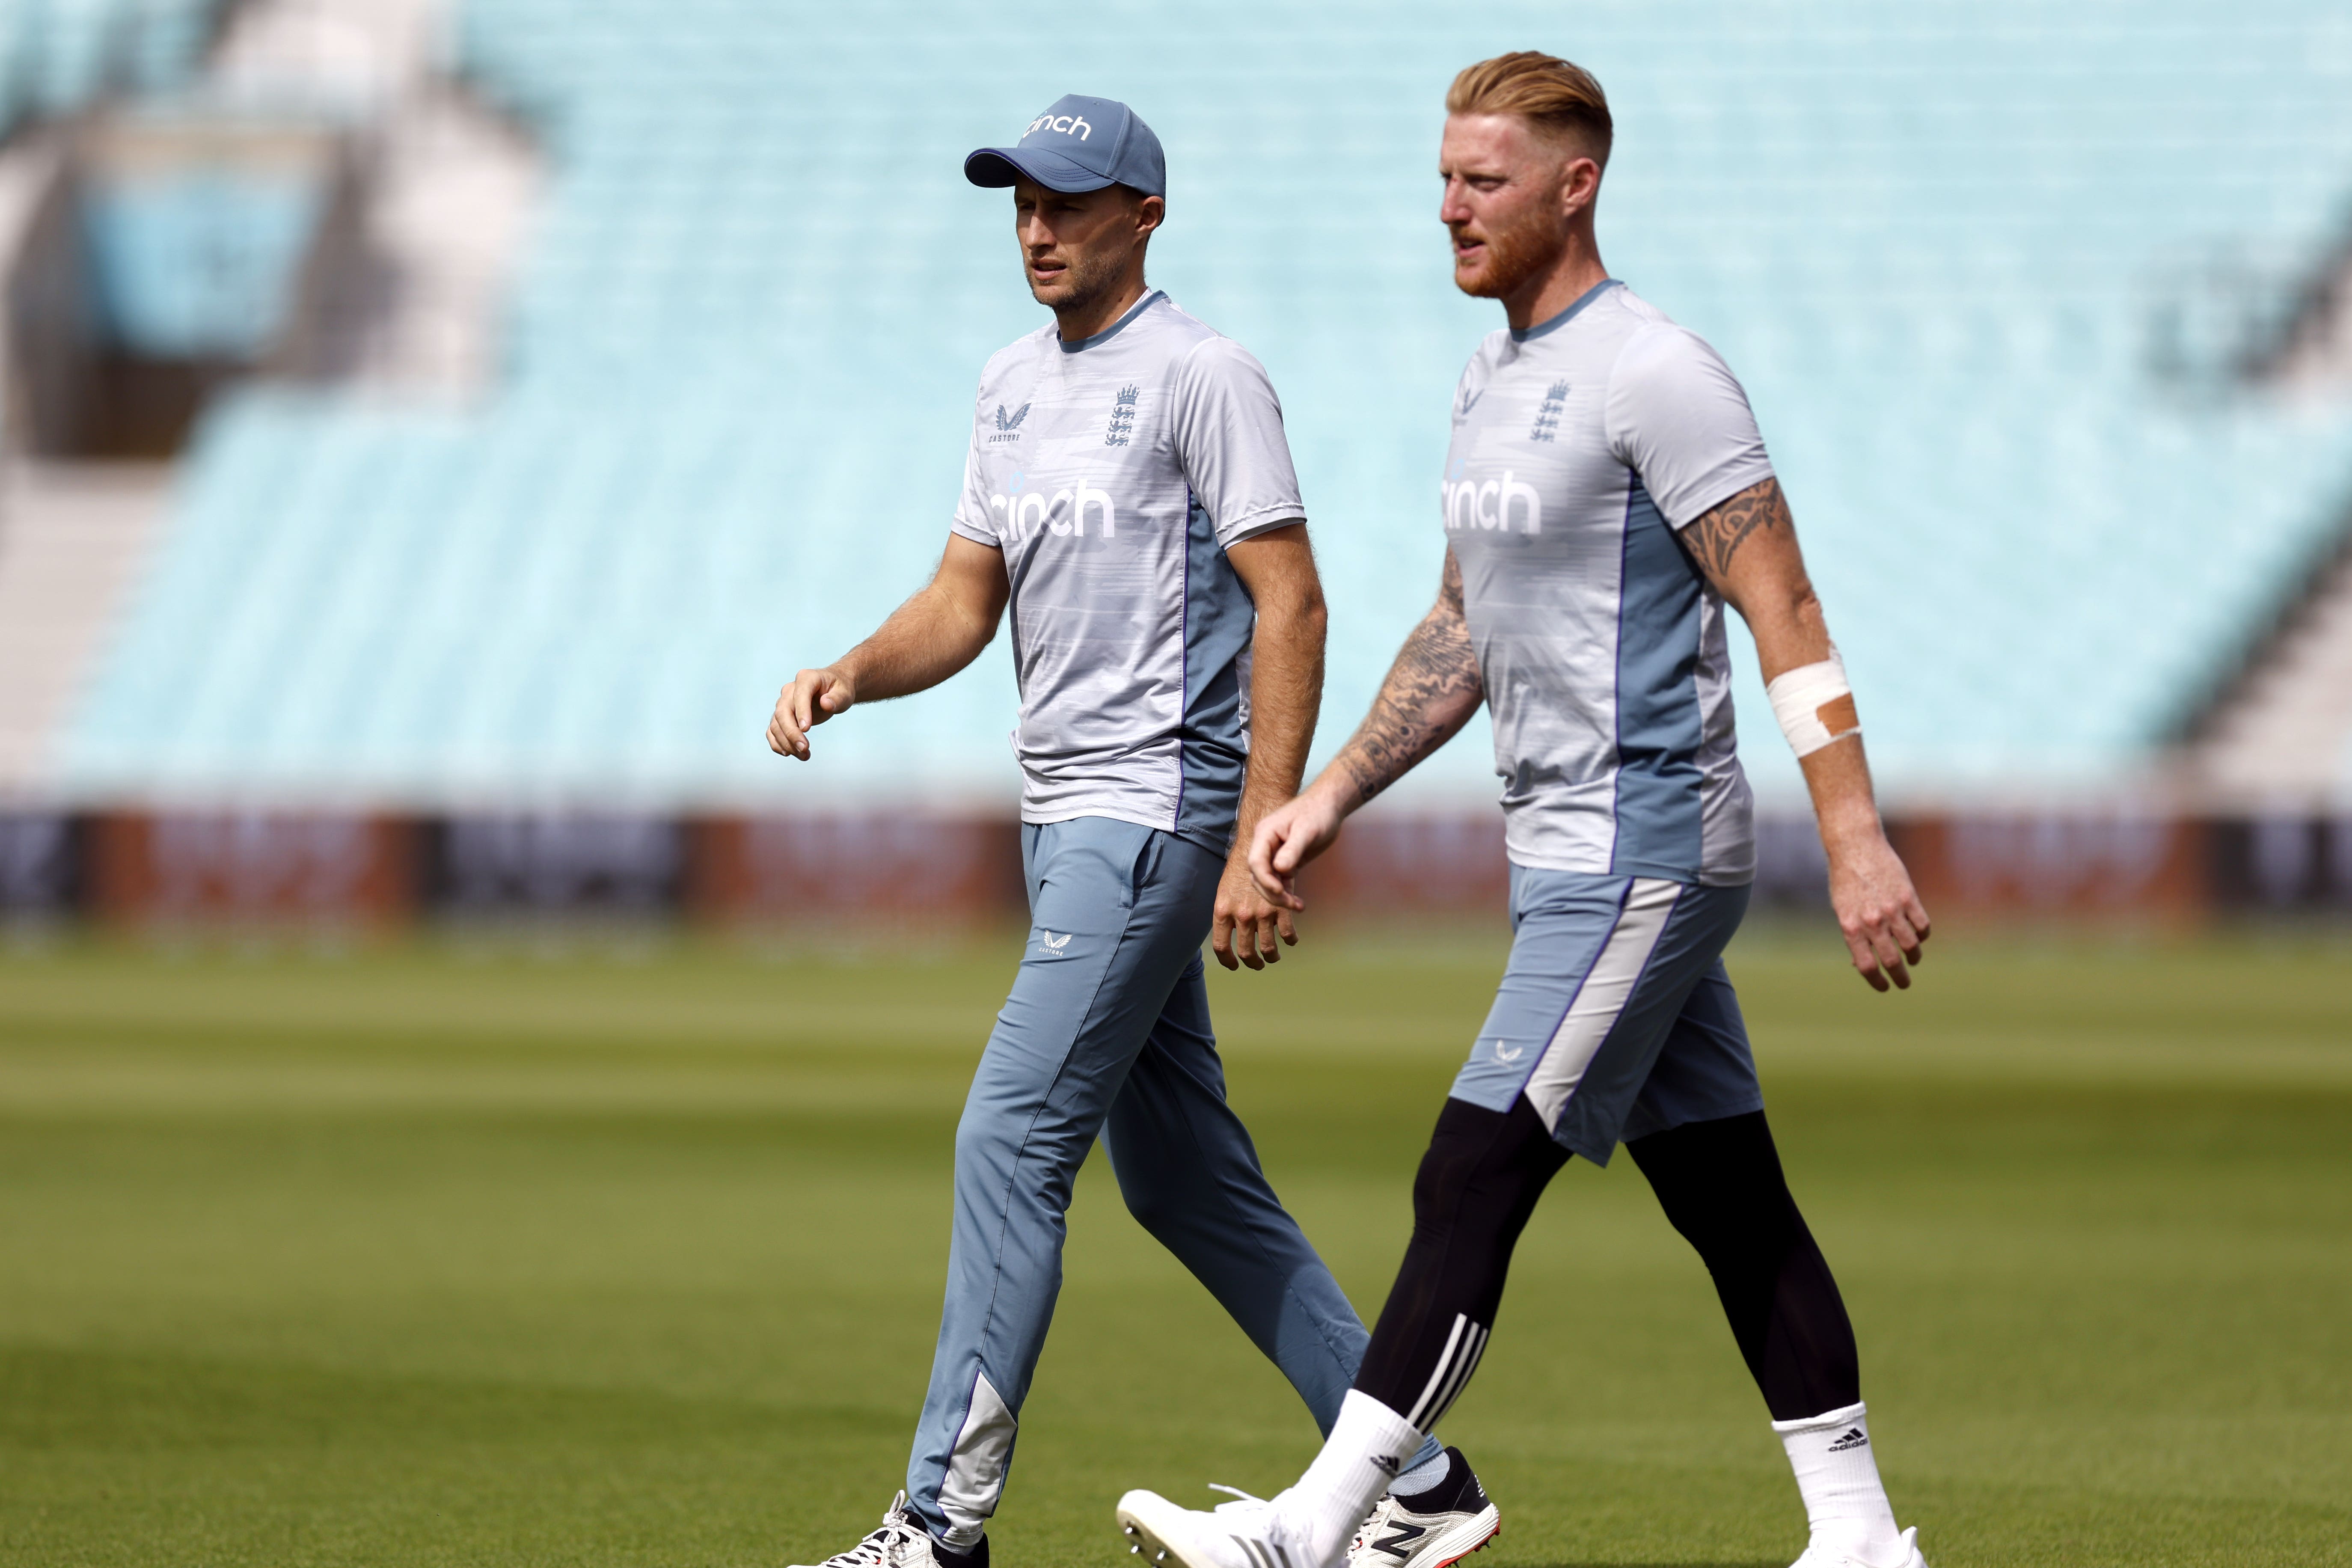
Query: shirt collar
{"type": "Point", "coordinates": [1555, 322]}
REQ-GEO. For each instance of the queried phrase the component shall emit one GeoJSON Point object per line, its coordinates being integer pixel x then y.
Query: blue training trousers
{"type": "Point", "coordinates": [1106, 1031]}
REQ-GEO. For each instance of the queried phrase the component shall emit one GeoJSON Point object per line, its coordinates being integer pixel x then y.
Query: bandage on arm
{"type": "Point", "coordinates": [1814, 705]}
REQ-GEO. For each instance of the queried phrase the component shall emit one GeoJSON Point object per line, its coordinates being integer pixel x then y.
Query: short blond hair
{"type": "Point", "coordinates": [1554, 95]}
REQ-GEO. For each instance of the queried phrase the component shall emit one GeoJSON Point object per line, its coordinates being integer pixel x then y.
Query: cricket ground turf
{"type": "Point", "coordinates": [591, 1252]}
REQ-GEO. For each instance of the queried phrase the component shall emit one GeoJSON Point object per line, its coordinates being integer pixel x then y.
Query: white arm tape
{"type": "Point", "coordinates": [1798, 697]}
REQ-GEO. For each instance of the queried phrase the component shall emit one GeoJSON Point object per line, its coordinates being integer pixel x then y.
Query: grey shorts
{"type": "Point", "coordinates": [1616, 1019]}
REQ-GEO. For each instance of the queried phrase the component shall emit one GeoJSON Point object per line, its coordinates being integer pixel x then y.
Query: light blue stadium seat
{"type": "Point", "coordinates": [1934, 240]}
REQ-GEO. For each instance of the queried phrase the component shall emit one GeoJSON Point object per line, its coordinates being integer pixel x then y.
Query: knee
{"type": "Point", "coordinates": [1154, 1203]}
{"type": "Point", "coordinates": [1484, 1167]}
{"type": "Point", "coordinates": [982, 1140]}
{"type": "Point", "coordinates": [1721, 1186]}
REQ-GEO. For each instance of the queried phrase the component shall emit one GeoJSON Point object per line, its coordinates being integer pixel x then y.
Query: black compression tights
{"type": "Point", "coordinates": [1721, 1186]}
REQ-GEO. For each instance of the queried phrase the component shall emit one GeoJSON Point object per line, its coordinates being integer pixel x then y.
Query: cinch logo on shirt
{"type": "Point", "coordinates": [1068, 125]}
{"type": "Point", "coordinates": [1488, 506]}
{"type": "Point", "coordinates": [1026, 514]}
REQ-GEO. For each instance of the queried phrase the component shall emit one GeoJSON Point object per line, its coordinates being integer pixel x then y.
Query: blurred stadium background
{"type": "Point", "coordinates": [434, 428]}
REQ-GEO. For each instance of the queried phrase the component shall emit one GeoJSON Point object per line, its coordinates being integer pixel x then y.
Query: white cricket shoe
{"type": "Point", "coordinates": [1820, 1557]}
{"type": "Point", "coordinates": [1248, 1534]}
{"type": "Point", "coordinates": [900, 1543]}
{"type": "Point", "coordinates": [1432, 1528]}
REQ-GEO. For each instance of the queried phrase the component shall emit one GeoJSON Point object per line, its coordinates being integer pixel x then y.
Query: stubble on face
{"type": "Point", "coordinates": [1516, 251]}
{"type": "Point", "coordinates": [1090, 260]}
{"type": "Point", "coordinates": [1086, 275]}
{"type": "Point", "coordinates": [1518, 177]}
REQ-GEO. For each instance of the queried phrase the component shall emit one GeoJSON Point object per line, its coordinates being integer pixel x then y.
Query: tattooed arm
{"type": "Point", "coordinates": [1431, 690]}
{"type": "Point", "coordinates": [1747, 547]}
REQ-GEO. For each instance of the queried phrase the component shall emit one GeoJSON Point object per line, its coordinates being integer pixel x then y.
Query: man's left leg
{"type": "Point", "coordinates": [1708, 1155]}
{"type": "Point", "coordinates": [1191, 1176]}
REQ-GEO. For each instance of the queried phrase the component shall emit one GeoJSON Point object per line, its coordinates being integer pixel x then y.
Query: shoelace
{"type": "Point", "coordinates": [1372, 1525]}
{"type": "Point", "coordinates": [1241, 1499]}
{"type": "Point", "coordinates": [884, 1547]}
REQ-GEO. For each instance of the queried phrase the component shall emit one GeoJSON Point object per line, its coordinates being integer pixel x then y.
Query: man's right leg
{"type": "Point", "coordinates": [1118, 913]}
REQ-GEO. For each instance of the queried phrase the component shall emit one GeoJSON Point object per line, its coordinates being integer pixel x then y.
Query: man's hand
{"type": "Point", "coordinates": [1878, 910]}
{"type": "Point", "coordinates": [814, 696]}
{"type": "Point", "coordinates": [927, 639]}
{"type": "Point", "coordinates": [1290, 836]}
{"type": "Point", "coordinates": [1247, 925]}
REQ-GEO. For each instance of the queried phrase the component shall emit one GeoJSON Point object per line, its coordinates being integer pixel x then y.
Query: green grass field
{"type": "Point", "coordinates": [634, 1256]}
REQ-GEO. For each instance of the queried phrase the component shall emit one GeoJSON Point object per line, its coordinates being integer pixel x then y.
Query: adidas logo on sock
{"type": "Point", "coordinates": [1852, 1440]}
{"type": "Point", "coordinates": [1389, 1463]}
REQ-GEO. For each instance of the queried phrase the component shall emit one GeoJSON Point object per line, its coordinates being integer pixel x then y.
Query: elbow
{"type": "Point", "coordinates": [1299, 616]}
{"type": "Point", "coordinates": [1314, 617]}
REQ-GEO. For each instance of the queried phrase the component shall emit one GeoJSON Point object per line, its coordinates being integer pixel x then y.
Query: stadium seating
{"type": "Point", "coordinates": [1981, 267]}
{"type": "Point", "coordinates": [58, 56]}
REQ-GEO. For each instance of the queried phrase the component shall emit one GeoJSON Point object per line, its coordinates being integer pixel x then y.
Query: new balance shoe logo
{"type": "Point", "coordinates": [1400, 1545]}
{"type": "Point", "coordinates": [1852, 1440]}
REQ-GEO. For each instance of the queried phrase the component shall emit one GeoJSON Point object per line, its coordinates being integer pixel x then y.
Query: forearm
{"type": "Point", "coordinates": [1431, 691]}
{"type": "Point", "coordinates": [1285, 699]}
{"type": "Point", "coordinates": [1837, 778]}
{"type": "Point", "coordinates": [1746, 546]}
{"type": "Point", "coordinates": [927, 639]}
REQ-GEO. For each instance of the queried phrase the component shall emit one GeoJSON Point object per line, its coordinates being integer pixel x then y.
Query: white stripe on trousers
{"type": "Point", "coordinates": [1455, 1363]}
{"type": "Point", "coordinates": [1607, 987]}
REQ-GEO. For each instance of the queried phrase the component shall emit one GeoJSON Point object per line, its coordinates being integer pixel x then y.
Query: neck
{"type": "Point", "coordinates": [1079, 321]}
{"type": "Point", "coordinates": [1573, 273]}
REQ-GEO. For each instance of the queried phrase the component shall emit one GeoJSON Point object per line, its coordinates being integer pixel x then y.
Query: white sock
{"type": "Point", "coordinates": [1838, 1475]}
{"type": "Point", "coordinates": [1369, 1444]}
{"type": "Point", "coordinates": [1422, 1476]}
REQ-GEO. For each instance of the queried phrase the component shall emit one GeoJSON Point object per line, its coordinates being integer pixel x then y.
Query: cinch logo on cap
{"type": "Point", "coordinates": [1068, 125]}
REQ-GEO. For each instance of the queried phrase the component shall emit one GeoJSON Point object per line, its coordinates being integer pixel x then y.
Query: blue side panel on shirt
{"type": "Point", "coordinates": [1218, 621]}
{"type": "Point", "coordinates": [1658, 729]}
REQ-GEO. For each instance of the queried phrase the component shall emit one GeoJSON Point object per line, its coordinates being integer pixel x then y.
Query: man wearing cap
{"type": "Point", "coordinates": [1129, 495]}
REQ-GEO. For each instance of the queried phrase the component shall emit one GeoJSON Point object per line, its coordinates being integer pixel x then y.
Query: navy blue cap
{"type": "Point", "coordinates": [1079, 144]}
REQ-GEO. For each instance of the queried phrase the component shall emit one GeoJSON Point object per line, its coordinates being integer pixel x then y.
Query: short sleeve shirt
{"type": "Point", "coordinates": [1114, 472]}
{"type": "Point", "coordinates": [1581, 446]}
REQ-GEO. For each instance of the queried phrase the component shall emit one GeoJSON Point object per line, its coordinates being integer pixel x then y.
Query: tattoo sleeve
{"type": "Point", "coordinates": [1431, 690]}
{"type": "Point", "coordinates": [1719, 531]}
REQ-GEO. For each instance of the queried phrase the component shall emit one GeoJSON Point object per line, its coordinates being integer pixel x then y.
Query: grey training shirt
{"type": "Point", "coordinates": [1114, 472]}
{"type": "Point", "coordinates": [1579, 446]}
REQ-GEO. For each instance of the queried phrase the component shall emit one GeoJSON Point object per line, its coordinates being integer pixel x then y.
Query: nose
{"type": "Point", "coordinates": [1449, 206]}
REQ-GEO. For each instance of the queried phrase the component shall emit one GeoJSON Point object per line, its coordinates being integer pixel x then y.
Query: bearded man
{"type": "Point", "coordinates": [1606, 495]}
